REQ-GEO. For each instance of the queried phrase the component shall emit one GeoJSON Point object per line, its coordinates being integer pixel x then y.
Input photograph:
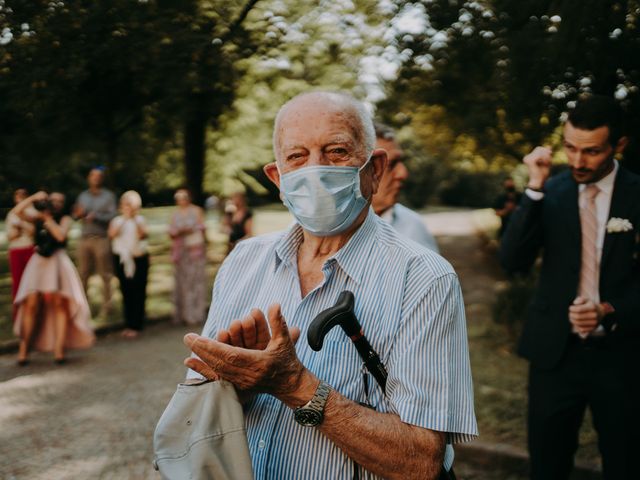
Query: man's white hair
{"type": "Point", "coordinates": [362, 122]}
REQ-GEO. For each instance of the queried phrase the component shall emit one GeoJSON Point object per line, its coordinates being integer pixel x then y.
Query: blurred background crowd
{"type": "Point", "coordinates": [50, 310]}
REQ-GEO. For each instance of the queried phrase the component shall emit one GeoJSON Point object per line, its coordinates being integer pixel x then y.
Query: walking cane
{"type": "Point", "coordinates": [342, 314]}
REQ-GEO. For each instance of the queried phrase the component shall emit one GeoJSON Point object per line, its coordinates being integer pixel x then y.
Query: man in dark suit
{"type": "Point", "coordinates": [583, 329]}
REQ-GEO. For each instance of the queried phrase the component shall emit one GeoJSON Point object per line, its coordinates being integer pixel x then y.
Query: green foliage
{"type": "Point", "coordinates": [309, 45]}
{"type": "Point", "coordinates": [501, 72]}
{"type": "Point", "coordinates": [163, 92]}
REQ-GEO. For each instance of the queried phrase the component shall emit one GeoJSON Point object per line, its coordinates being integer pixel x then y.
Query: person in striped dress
{"type": "Point", "coordinates": [304, 410]}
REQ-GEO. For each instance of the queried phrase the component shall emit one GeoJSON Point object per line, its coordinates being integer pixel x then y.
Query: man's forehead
{"type": "Point", "coordinates": [324, 126]}
{"type": "Point", "coordinates": [292, 140]}
{"type": "Point", "coordinates": [597, 136]}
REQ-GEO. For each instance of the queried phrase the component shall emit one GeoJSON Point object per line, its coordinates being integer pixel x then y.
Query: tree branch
{"type": "Point", "coordinates": [238, 21]}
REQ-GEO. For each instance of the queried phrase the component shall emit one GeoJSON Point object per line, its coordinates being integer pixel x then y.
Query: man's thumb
{"type": "Point", "coordinates": [277, 322]}
{"type": "Point", "coordinates": [294, 332]}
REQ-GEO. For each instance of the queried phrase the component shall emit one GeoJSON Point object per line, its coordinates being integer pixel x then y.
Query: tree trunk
{"type": "Point", "coordinates": [194, 146]}
{"type": "Point", "coordinates": [112, 178]}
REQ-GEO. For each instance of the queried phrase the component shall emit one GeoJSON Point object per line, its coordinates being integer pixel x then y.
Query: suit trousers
{"type": "Point", "coordinates": [94, 256]}
{"type": "Point", "coordinates": [134, 291]}
{"type": "Point", "coordinates": [591, 373]}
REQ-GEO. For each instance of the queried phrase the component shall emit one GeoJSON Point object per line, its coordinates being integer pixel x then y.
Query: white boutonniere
{"type": "Point", "coordinates": [617, 225]}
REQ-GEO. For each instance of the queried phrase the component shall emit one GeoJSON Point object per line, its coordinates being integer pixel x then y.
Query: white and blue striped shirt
{"type": "Point", "coordinates": [409, 303]}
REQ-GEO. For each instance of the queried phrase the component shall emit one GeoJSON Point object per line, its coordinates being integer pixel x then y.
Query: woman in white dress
{"type": "Point", "coordinates": [52, 312]}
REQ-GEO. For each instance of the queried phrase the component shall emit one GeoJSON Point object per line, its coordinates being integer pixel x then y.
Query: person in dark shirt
{"type": "Point", "coordinates": [506, 203]}
{"type": "Point", "coordinates": [238, 219]}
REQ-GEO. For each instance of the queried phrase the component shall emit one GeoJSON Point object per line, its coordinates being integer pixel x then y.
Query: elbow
{"type": "Point", "coordinates": [425, 466]}
{"type": "Point", "coordinates": [426, 457]}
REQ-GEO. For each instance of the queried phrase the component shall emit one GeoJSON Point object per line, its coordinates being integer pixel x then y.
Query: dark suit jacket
{"type": "Point", "coordinates": [553, 225]}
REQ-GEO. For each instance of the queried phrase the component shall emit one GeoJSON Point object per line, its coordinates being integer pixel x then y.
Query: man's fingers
{"type": "Point", "coordinates": [263, 335]}
{"type": "Point", "coordinates": [224, 337]}
{"type": "Point", "coordinates": [579, 300]}
{"type": "Point", "coordinates": [202, 368]}
{"type": "Point", "coordinates": [582, 308]}
{"type": "Point", "coordinates": [235, 332]}
{"type": "Point", "coordinates": [190, 338]}
{"type": "Point", "coordinates": [249, 331]}
{"type": "Point", "coordinates": [218, 355]}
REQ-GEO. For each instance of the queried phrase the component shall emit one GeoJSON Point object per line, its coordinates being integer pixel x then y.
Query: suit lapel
{"type": "Point", "coordinates": [619, 208]}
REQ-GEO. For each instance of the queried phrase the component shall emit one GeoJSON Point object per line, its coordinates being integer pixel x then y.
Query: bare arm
{"type": "Point", "coordinates": [142, 228]}
{"type": "Point", "coordinates": [19, 209]}
{"type": "Point", "coordinates": [13, 230]}
{"type": "Point", "coordinates": [59, 231]}
{"type": "Point", "coordinates": [377, 440]}
{"type": "Point", "coordinates": [114, 228]}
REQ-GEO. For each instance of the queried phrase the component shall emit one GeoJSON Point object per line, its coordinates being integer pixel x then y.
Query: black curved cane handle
{"type": "Point", "coordinates": [340, 314]}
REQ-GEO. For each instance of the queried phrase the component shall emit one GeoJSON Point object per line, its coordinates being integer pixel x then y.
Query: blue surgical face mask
{"type": "Point", "coordinates": [324, 200]}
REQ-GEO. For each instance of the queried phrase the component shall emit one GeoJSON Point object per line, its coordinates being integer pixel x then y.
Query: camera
{"type": "Point", "coordinates": [42, 205]}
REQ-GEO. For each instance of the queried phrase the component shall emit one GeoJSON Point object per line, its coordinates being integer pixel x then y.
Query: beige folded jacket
{"type": "Point", "coordinates": [201, 434]}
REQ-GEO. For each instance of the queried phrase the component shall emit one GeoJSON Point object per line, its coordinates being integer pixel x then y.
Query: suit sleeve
{"type": "Point", "coordinates": [522, 240]}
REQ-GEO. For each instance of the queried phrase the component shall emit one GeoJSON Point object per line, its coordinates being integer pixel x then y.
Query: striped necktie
{"type": "Point", "coordinates": [589, 269]}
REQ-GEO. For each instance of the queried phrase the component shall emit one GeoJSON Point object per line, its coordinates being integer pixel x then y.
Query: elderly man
{"type": "Point", "coordinates": [384, 202]}
{"type": "Point", "coordinates": [304, 415]}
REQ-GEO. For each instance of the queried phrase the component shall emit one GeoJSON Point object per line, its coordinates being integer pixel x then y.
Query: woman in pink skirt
{"type": "Point", "coordinates": [52, 312]}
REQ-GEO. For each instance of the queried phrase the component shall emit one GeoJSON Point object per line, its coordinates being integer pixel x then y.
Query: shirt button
{"type": "Point", "coordinates": [261, 445]}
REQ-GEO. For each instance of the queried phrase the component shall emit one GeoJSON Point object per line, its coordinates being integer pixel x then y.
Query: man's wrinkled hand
{"type": "Point", "coordinates": [267, 363]}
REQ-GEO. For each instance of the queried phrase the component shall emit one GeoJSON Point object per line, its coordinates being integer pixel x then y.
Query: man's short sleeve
{"type": "Point", "coordinates": [211, 326]}
{"type": "Point", "coordinates": [429, 382]}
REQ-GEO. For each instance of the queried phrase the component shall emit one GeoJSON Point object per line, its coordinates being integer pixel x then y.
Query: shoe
{"type": "Point", "coordinates": [23, 362]}
{"type": "Point", "coordinates": [60, 361]}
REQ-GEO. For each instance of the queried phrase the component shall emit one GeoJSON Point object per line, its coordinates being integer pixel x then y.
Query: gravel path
{"type": "Point", "coordinates": [92, 417]}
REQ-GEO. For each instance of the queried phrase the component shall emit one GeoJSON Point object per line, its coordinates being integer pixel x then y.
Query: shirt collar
{"type": "Point", "coordinates": [287, 247]}
{"type": "Point", "coordinates": [605, 184]}
{"type": "Point", "coordinates": [349, 257]}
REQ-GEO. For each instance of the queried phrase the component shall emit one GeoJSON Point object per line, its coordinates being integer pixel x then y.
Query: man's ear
{"type": "Point", "coordinates": [379, 162]}
{"type": "Point", "coordinates": [622, 144]}
{"type": "Point", "coordinates": [271, 171]}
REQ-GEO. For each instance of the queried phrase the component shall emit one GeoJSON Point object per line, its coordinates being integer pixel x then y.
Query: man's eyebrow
{"type": "Point", "coordinates": [293, 146]}
{"type": "Point", "coordinates": [339, 140]}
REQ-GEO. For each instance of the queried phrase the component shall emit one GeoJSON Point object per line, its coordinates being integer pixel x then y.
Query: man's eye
{"type": "Point", "coordinates": [294, 156]}
{"type": "Point", "coordinates": [338, 151]}
{"type": "Point", "coordinates": [593, 152]}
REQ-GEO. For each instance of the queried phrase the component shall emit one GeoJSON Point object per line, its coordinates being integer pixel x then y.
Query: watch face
{"type": "Point", "coordinates": [307, 417]}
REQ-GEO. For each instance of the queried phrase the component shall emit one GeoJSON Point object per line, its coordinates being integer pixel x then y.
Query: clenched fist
{"type": "Point", "coordinates": [539, 164]}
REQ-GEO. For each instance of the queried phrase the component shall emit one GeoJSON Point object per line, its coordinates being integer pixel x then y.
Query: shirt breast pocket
{"type": "Point", "coordinates": [338, 364]}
